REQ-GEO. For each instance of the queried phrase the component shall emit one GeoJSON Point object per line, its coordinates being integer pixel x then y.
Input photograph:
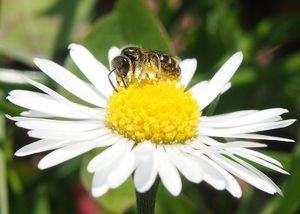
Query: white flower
{"type": "Point", "coordinates": [148, 147]}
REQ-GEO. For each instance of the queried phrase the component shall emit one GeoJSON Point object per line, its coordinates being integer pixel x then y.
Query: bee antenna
{"type": "Point", "coordinates": [109, 74]}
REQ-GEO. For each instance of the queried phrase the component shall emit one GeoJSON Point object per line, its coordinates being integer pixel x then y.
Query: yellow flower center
{"type": "Point", "coordinates": [158, 111]}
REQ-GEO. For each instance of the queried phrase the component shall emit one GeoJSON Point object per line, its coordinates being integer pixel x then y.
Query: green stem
{"type": "Point", "coordinates": [3, 185]}
{"type": "Point", "coordinates": [146, 201]}
{"type": "Point", "coordinates": [3, 177]}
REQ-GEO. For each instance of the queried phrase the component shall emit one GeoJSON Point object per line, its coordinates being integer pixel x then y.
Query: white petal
{"type": "Point", "coordinates": [244, 129]}
{"type": "Point", "coordinates": [60, 135]}
{"type": "Point", "coordinates": [45, 104]}
{"type": "Point", "coordinates": [93, 112]}
{"type": "Point", "coordinates": [106, 140]}
{"type": "Point", "coordinates": [63, 154]}
{"type": "Point", "coordinates": [263, 137]}
{"type": "Point", "coordinates": [147, 166]}
{"type": "Point", "coordinates": [95, 72]}
{"type": "Point", "coordinates": [199, 87]}
{"type": "Point", "coordinates": [260, 155]}
{"type": "Point", "coordinates": [209, 141]}
{"type": "Point", "coordinates": [234, 145]}
{"type": "Point", "coordinates": [231, 184]}
{"type": "Point", "coordinates": [41, 146]}
{"type": "Point", "coordinates": [261, 162]}
{"type": "Point", "coordinates": [225, 88]}
{"type": "Point", "coordinates": [50, 144]}
{"type": "Point", "coordinates": [99, 182]}
{"type": "Point", "coordinates": [123, 170]}
{"type": "Point", "coordinates": [202, 87]}
{"type": "Point", "coordinates": [32, 113]}
{"type": "Point", "coordinates": [144, 150]}
{"type": "Point", "coordinates": [168, 173]}
{"type": "Point", "coordinates": [258, 173]}
{"type": "Point", "coordinates": [244, 173]}
{"type": "Point", "coordinates": [226, 116]}
{"type": "Point", "coordinates": [252, 118]}
{"type": "Point", "coordinates": [58, 125]}
{"type": "Point", "coordinates": [70, 82]}
{"type": "Point", "coordinates": [238, 144]}
{"type": "Point", "coordinates": [210, 175]}
{"type": "Point", "coordinates": [185, 164]}
{"type": "Point", "coordinates": [220, 79]}
{"type": "Point", "coordinates": [188, 68]}
{"type": "Point", "coordinates": [109, 155]}
{"type": "Point", "coordinates": [256, 136]}
{"type": "Point", "coordinates": [221, 147]}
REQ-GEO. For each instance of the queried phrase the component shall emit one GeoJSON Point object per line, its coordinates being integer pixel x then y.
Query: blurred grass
{"type": "Point", "coordinates": [267, 32]}
{"type": "Point", "coordinates": [34, 28]}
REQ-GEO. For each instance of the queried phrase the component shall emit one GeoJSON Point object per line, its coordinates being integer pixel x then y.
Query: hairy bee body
{"type": "Point", "coordinates": [136, 64]}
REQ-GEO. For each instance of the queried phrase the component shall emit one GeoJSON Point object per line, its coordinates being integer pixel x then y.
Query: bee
{"type": "Point", "coordinates": [136, 64]}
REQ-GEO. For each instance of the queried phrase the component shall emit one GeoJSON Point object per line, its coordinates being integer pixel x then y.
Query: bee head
{"type": "Point", "coordinates": [120, 65]}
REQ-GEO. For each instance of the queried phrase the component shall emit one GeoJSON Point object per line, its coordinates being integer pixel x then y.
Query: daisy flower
{"type": "Point", "coordinates": [158, 129]}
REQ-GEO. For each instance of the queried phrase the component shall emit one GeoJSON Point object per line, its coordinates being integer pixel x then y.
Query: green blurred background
{"type": "Point", "coordinates": [267, 31]}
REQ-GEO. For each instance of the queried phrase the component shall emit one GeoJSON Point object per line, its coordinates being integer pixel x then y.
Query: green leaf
{"type": "Point", "coordinates": [140, 27]}
{"type": "Point", "coordinates": [131, 23]}
{"type": "Point", "coordinates": [119, 200]}
{"type": "Point", "coordinates": [105, 33]}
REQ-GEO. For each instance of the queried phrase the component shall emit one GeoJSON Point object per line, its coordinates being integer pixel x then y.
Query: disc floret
{"type": "Point", "coordinates": [160, 112]}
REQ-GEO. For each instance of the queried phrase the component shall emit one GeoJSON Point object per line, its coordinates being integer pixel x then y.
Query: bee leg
{"type": "Point", "coordinates": [157, 65]}
{"type": "Point", "coordinates": [111, 81]}
{"type": "Point", "coordinates": [124, 82]}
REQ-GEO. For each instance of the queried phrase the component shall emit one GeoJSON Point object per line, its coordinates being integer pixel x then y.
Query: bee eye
{"type": "Point", "coordinates": [120, 65]}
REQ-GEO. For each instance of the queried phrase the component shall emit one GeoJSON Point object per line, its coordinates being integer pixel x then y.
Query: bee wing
{"type": "Point", "coordinates": [176, 59]}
